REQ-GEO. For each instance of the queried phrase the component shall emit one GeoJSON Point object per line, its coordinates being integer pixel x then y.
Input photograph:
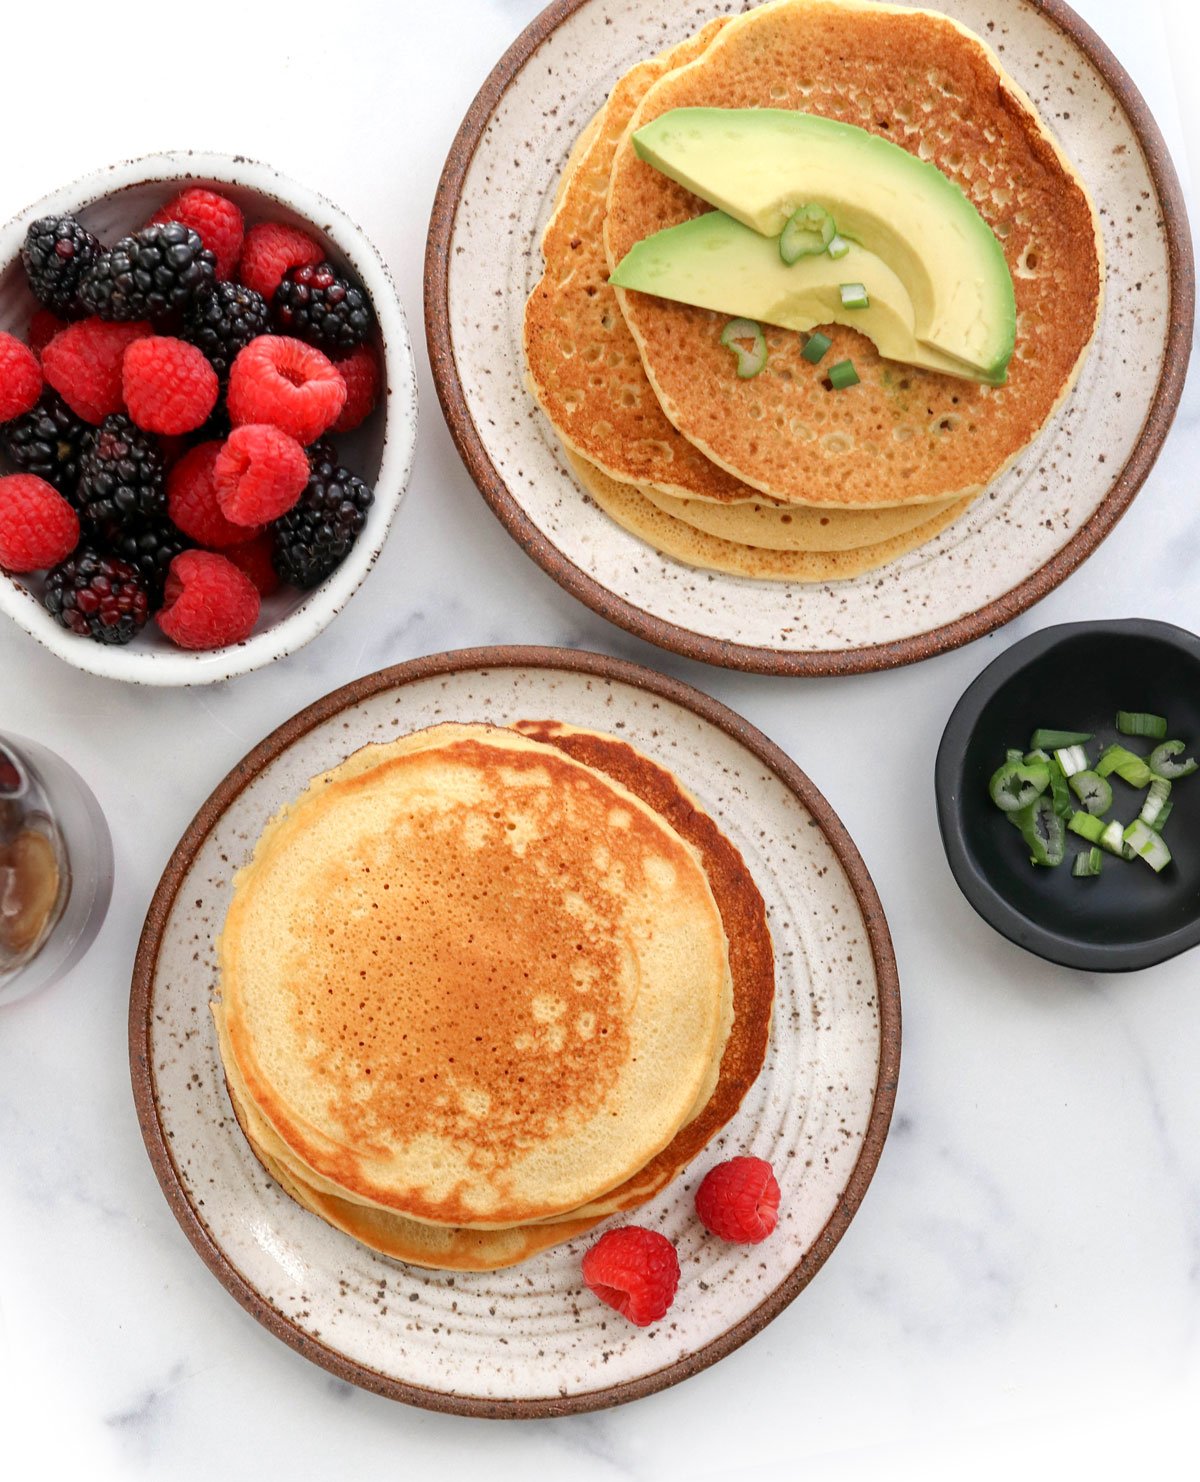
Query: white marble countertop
{"type": "Point", "coordinates": [1021, 1289]}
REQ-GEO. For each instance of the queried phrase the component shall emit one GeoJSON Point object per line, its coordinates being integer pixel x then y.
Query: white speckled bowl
{"type": "Point", "coordinates": [531, 1340]}
{"type": "Point", "coordinates": [1029, 531]}
{"type": "Point", "coordinates": [120, 199]}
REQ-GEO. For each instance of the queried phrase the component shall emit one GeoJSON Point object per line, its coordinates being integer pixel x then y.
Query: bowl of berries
{"type": "Point", "coordinates": [207, 417]}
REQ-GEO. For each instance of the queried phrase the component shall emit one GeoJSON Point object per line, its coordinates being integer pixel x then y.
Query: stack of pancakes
{"type": "Point", "coordinates": [779, 476]}
{"type": "Point", "coordinates": [482, 987]}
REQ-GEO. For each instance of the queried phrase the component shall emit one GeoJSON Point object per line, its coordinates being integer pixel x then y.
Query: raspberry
{"type": "Point", "coordinates": [43, 326]}
{"type": "Point", "coordinates": [83, 364]}
{"type": "Point", "coordinates": [259, 474]}
{"type": "Point", "coordinates": [314, 304]}
{"type": "Point", "coordinates": [150, 275]}
{"type": "Point", "coordinates": [192, 500]}
{"type": "Point", "coordinates": [168, 385]}
{"type": "Point", "coordinates": [739, 1200]}
{"type": "Point", "coordinates": [38, 528]}
{"type": "Point", "coordinates": [270, 251]}
{"type": "Point", "coordinates": [254, 558]}
{"type": "Point", "coordinates": [208, 602]}
{"type": "Point", "coordinates": [287, 383]}
{"type": "Point", "coordinates": [215, 220]}
{"type": "Point", "coordinates": [20, 378]}
{"type": "Point", "coordinates": [56, 255]}
{"type": "Point", "coordinates": [97, 596]}
{"type": "Point", "coordinates": [360, 371]}
{"type": "Point", "coordinates": [634, 1270]}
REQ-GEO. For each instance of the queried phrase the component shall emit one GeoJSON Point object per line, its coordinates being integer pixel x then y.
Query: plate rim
{"type": "Point", "coordinates": [574, 661]}
{"type": "Point", "coordinates": [810, 662]}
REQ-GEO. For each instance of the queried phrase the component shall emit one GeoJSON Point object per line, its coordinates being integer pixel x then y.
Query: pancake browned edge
{"type": "Point", "coordinates": [751, 960]}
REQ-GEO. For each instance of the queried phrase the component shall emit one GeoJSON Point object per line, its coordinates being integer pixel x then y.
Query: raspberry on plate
{"type": "Point", "coordinates": [271, 250]}
{"type": "Point", "coordinates": [739, 1200]}
{"type": "Point", "coordinates": [83, 364]}
{"type": "Point", "coordinates": [259, 473]}
{"type": "Point", "coordinates": [208, 602]}
{"type": "Point", "coordinates": [360, 371]}
{"type": "Point", "coordinates": [287, 383]}
{"type": "Point", "coordinates": [215, 220]}
{"type": "Point", "coordinates": [635, 1271]}
{"type": "Point", "coordinates": [38, 528]}
{"type": "Point", "coordinates": [20, 378]}
{"type": "Point", "coordinates": [192, 500]}
{"type": "Point", "coordinates": [254, 558]}
{"type": "Point", "coordinates": [97, 596]}
{"type": "Point", "coordinates": [169, 386]}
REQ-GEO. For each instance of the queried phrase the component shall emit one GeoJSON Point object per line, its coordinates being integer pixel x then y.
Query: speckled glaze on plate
{"type": "Point", "coordinates": [1030, 530]}
{"type": "Point", "coordinates": [532, 1341]}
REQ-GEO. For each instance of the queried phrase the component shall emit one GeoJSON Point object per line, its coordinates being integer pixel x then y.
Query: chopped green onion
{"type": "Point", "coordinates": [842, 375]}
{"type": "Point", "coordinates": [1127, 765]}
{"type": "Point", "coordinates": [807, 232]}
{"type": "Point", "coordinates": [1138, 723]}
{"type": "Point", "coordinates": [854, 296]}
{"type": "Point", "coordinates": [1093, 791]}
{"type": "Point", "coordinates": [749, 362]}
{"type": "Point", "coordinates": [1071, 759]}
{"type": "Point", "coordinates": [1044, 740]}
{"type": "Point", "coordinates": [838, 246]}
{"type": "Point", "coordinates": [1113, 838]}
{"type": "Point", "coordinates": [1015, 786]}
{"type": "Point", "coordinates": [815, 347]}
{"type": "Point", "coordinates": [1156, 801]}
{"type": "Point", "coordinates": [1087, 827]}
{"type": "Point", "coordinates": [1148, 845]}
{"type": "Point", "coordinates": [1162, 765]}
{"type": "Point", "coordinates": [1160, 822]}
{"type": "Point", "coordinates": [1087, 862]}
{"type": "Point", "coordinates": [1043, 832]}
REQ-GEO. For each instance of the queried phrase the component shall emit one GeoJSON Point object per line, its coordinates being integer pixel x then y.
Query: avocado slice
{"type": "Point", "coordinates": [717, 263]}
{"type": "Point", "coordinates": [759, 165]}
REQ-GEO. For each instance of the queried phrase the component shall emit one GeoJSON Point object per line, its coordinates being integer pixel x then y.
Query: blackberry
{"type": "Point", "coordinates": [223, 321]}
{"type": "Point", "coordinates": [316, 534]}
{"type": "Point", "coordinates": [150, 275]}
{"type": "Point", "coordinates": [314, 304]}
{"type": "Point", "coordinates": [120, 475]}
{"type": "Point", "coordinates": [149, 546]}
{"type": "Point", "coordinates": [48, 441]}
{"type": "Point", "coordinates": [58, 252]}
{"type": "Point", "coordinates": [97, 596]}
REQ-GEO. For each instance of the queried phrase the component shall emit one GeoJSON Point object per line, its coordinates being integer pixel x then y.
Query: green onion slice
{"type": "Point", "coordinates": [1113, 838]}
{"type": "Point", "coordinates": [1015, 786]}
{"type": "Point", "coordinates": [1162, 762]}
{"type": "Point", "coordinates": [815, 347]}
{"type": "Point", "coordinates": [1138, 723]}
{"type": "Point", "coordinates": [1043, 832]}
{"type": "Point", "coordinates": [1156, 800]}
{"type": "Point", "coordinates": [1093, 791]}
{"type": "Point", "coordinates": [854, 296]}
{"type": "Point", "coordinates": [1128, 765]}
{"type": "Point", "coordinates": [838, 246]}
{"type": "Point", "coordinates": [1163, 814]}
{"type": "Point", "coordinates": [1071, 759]}
{"type": "Point", "coordinates": [1087, 862]}
{"type": "Point", "coordinates": [807, 232]}
{"type": "Point", "coordinates": [749, 362]}
{"type": "Point", "coordinates": [1044, 740]}
{"type": "Point", "coordinates": [1087, 827]}
{"type": "Point", "coordinates": [842, 375]}
{"type": "Point", "coordinates": [1148, 845]}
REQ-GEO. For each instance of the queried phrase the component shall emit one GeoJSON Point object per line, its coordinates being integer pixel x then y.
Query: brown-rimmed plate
{"type": "Point", "coordinates": [1030, 530]}
{"type": "Point", "coordinates": [532, 1341]}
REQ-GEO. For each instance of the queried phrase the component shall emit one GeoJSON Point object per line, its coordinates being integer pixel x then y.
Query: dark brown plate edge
{"type": "Point", "coordinates": [483, 659]}
{"type": "Point", "coordinates": [813, 663]}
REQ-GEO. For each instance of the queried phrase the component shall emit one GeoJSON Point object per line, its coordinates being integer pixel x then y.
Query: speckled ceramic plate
{"type": "Point", "coordinates": [532, 1340]}
{"type": "Point", "coordinates": [1033, 527]}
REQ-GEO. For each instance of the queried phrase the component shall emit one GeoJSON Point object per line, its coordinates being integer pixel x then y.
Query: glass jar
{"type": "Point", "coordinates": [56, 867]}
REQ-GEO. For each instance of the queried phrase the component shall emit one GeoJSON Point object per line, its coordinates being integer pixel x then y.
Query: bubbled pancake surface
{"type": "Point", "coordinates": [673, 537]}
{"type": "Point", "coordinates": [478, 984]}
{"type": "Point", "coordinates": [903, 435]}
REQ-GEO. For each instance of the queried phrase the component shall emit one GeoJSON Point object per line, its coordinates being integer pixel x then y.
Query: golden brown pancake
{"type": "Point", "coordinates": [477, 984]}
{"type": "Point", "coordinates": [904, 435]}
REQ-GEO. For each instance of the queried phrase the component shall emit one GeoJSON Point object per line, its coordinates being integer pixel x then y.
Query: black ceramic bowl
{"type": "Point", "coordinates": [1076, 677]}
